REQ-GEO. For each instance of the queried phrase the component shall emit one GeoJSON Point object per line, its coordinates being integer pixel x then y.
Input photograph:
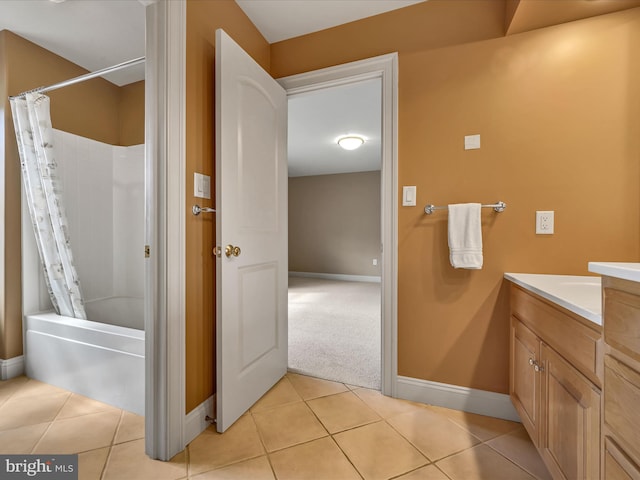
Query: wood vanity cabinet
{"type": "Point", "coordinates": [621, 405]}
{"type": "Point", "coordinates": [555, 379]}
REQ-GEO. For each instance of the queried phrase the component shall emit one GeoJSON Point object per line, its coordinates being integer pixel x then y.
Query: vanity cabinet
{"type": "Point", "coordinates": [621, 419]}
{"type": "Point", "coordinates": [556, 374]}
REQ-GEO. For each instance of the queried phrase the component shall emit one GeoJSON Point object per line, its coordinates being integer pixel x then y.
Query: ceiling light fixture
{"type": "Point", "coordinates": [351, 142]}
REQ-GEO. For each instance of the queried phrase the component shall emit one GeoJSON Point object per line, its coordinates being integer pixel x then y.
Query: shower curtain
{"type": "Point", "coordinates": [32, 123]}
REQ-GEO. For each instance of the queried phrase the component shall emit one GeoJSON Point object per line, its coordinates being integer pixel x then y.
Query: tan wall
{"type": "Point", "coordinates": [559, 114]}
{"type": "Point", "coordinates": [334, 223]}
{"type": "Point", "coordinates": [90, 109]}
{"type": "Point", "coordinates": [203, 18]}
{"type": "Point", "coordinates": [131, 111]}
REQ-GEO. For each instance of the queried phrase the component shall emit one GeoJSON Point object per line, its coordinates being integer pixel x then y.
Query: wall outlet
{"type": "Point", "coordinates": [544, 222]}
{"type": "Point", "coordinates": [375, 262]}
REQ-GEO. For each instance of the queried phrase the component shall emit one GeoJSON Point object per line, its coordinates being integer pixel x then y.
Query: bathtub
{"type": "Point", "coordinates": [98, 360]}
{"type": "Point", "coordinates": [123, 311]}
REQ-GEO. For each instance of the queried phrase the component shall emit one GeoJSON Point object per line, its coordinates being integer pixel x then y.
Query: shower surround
{"type": "Point", "coordinates": [102, 357]}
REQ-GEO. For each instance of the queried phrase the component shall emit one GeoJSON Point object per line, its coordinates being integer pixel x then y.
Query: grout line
{"type": "Point", "coordinates": [106, 463]}
{"type": "Point", "coordinates": [347, 456]}
{"type": "Point", "coordinates": [117, 429]}
{"type": "Point", "coordinates": [516, 462]}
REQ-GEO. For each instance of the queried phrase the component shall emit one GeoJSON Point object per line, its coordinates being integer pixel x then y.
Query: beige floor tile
{"type": "Point", "coordinates": [79, 434]}
{"type": "Point", "coordinates": [282, 393]}
{"type": "Point", "coordinates": [33, 387]}
{"type": "Point", "coordinates": [11, 386]}
{"type": "Point", "coordinates": [131, 428]}
{"type": "Point", "coordinates": [289, 425]}
{"type": "Point", "coordinates": [254, 469]}
{"type": "Point", "coordinates": [517, 447]}
{"type": "Point", "coordinates": [433, 434]}
{"type": "Point", "coordinates": [320, 459]}
{"type": "Point", "coordinates": [20, 411]}
{"type": "Point", "coordinates": [21, 440]}
{"type": "Point", "coordinates": [91, 464]}
{"type": "Point", "coordinates": [342, 411]}
{"type": "Point", "coordinates": [430, 472]}
{"type": "Point", "coordinates": [128, 461]}
{"type": "Point", "coordinates": [310, 387]}
{"type": "Point", "coordinates": [214, 450]}
{"type": "Point", "coordinates": [482, 426]}
{"type": "Point", "coordinates": [78, 405]}
{"type": "Point", "coordinates": [378, 451]}
{"type": "Point", "coordinates": [385, 406]}
{"type": "Point", "coordinates": [480, 463]}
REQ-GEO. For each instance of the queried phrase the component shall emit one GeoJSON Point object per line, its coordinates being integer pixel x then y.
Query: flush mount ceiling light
{"type": "Point", "coordinates": [351, 142]}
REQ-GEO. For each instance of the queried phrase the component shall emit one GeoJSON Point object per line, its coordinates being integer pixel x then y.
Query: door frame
{"type": "Point", "coordinates": [384, 67]}
{"type": "Point", "coordinates": [165, 71]}
{"type": "Point", "coordinates": [165, 216]}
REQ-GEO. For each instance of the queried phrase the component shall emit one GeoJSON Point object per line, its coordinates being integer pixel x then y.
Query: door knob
{"type": "Point", "coordinates": [231, 250]}
{"type": "Point", "coordinates": [217, 251]}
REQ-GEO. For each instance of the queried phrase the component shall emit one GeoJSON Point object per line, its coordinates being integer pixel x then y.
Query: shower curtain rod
{"type": "Point", "coordinates": [82, 78]}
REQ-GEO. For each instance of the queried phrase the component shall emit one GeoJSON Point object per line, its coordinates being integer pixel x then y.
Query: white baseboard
{"type": "Point", "coordinates": [194, 421]}
{"type": "Point", "coordinates": [12, 367]}
{"type": "Point", "coordinates": [337, 276]}
{"type": "Point", "coordinates": [458, 398]}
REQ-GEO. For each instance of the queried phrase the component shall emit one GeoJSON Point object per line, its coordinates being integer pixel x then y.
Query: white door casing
{"type": "Point", "coordinates": [251, 204]}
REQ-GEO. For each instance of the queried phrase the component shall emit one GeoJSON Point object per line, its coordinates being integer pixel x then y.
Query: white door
{"type": "Point", "coordinates": [251, 229]}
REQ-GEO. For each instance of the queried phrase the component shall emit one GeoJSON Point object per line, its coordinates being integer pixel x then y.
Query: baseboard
{"type": "Point", "coordinates": [12, 367]}
{"type": "Point", "coordinates": [195, 421]}
{"type": "Point", "coordinates": [458, 398]}
{"type": "Point", "coordinates": [337, 276]}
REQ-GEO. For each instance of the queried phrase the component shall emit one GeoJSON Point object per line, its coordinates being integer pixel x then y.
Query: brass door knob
{"type": "Point", "coordinates": [231, 250]}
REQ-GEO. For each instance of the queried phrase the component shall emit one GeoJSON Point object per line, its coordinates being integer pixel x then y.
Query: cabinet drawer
{"type": "Point", "coordinates": [617, 466]}
{"type": "Point", "coordinates": [555, 327]}
{"type": "Point", "coordinates": [622, 325]}
{"type": "Point", "coordinates": [621, 401]}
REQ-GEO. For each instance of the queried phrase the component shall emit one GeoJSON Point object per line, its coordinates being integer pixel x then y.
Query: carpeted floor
{"type": "Point", "coordinates": [334, 330]}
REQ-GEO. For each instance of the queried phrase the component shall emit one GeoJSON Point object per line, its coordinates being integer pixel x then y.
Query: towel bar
{"type": "Point", "coordinates": [498, 207]}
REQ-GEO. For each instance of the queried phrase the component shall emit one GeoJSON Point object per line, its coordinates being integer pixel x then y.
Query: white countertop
{"type": "Point", "coordinates": [579, 294]}
{"type": "Point", "coordinates": [626, 271]}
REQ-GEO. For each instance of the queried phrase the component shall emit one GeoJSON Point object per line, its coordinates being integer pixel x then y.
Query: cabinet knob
{"type": "Point", "coordinates": [538, 368]}
{"type": "Point", "coordinates": [531, 362]}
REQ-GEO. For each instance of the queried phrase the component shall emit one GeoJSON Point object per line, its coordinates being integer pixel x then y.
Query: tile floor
{"type": "Point", "coordinates": [303, 428]}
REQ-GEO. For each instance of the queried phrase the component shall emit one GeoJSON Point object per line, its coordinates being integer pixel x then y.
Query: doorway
{"type": "Point", "coordinates": [334, 233]}
{"type": "Point", "coordinates": [383, 68]}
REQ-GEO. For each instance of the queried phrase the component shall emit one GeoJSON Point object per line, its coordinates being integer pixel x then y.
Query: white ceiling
{"type": "Point", "coordinates": [95, 34]}
{"type": "Point", "coordinates": [280, 20]}
{"type": "Point", "coordinates": [91, 33]}
{"type": "Point", "coordinates": [317, 119]}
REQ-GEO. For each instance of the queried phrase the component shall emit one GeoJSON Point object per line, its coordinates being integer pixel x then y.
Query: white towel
{"type": "Point", "coordinates": [465, 236]}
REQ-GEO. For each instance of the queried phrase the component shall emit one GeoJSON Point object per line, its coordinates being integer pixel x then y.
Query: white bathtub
{"type": "Point", "coordinates": [101, 361]}
{"type": "Point", "coordinates": [123, 311]}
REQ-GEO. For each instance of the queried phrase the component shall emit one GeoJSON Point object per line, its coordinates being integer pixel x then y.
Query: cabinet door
{"type": "Point", "coordinates": [570, 439]}
{"type": "Point", "coordinates": [617, 466]}
{"type": "Point", "coordinates": [524, 385]}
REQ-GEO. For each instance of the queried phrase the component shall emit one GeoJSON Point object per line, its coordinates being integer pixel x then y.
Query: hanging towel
{"type": "Point", "coordinates": [465, 236]}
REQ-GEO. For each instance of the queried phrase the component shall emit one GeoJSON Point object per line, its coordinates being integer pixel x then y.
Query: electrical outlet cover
{"type": "Point", "coordinates": [544, 222]}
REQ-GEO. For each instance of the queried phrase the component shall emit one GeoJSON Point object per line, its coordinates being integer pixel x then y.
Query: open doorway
{"type": "Point", "coordinates": [335, 233]}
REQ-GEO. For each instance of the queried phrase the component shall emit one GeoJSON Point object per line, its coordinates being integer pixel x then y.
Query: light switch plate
{"type": "Point", "coordinates": [201, 186]}
{"type": "Point", "coordinates": [472, 142]}
{"type": "Point", "coordinates": [409, 196]}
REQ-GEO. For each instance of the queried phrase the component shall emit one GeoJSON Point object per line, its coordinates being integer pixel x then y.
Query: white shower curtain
{"type": "Point", "coordinates": [32, 123]}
